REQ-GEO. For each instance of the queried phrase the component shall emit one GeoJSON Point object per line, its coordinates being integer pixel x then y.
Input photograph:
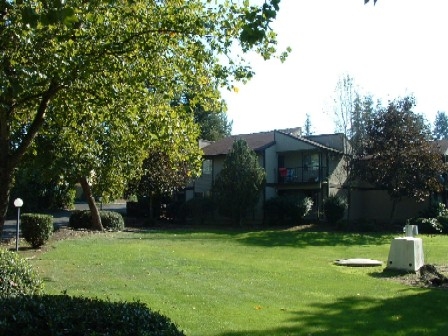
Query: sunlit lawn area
{"type": "Point", "coordinates": [251, 283]}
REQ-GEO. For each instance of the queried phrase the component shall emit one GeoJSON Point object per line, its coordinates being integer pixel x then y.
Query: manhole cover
{"type": "Point", "coordinates": [358, 262]}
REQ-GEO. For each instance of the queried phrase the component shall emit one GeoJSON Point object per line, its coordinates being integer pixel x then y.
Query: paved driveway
{"type": "Point", "coordinates": [60, 218]}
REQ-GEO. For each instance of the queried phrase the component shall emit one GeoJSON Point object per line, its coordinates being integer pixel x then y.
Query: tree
{"type": "Point", "coordinates": [66, 61]}
{"type": "Point", "coordinates": [399, 156]}
{"type": "Point", "coordinates": [213, 124]}
{"type": "Point", "coordinates": [441, 126]}
{"type": "Point", "coordinates": [307, 125]}
{"type": "Point", "coordinates": [166, 171]}
{"type": "Point", "coordinates": [238, 185]}
{"type": "Point", "coordinates": [344, 102]}
{"type": "Point", "coordinates": [348, 114]}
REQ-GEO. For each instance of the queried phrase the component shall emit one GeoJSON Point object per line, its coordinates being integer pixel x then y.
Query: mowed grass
{"type": "Point", "coordinates": [251, 283]}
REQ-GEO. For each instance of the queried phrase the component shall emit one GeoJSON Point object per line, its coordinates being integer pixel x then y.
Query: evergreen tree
{"type": "Point", "coordinates": [307, 125]}
{"type": "Point", "coordinates": [240, 182]}
{"type": "Point", "coordinates": [441, 126]}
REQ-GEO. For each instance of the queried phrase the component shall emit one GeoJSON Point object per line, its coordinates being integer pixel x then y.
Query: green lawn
{"type": "Point", "coordinates": [251, 283]}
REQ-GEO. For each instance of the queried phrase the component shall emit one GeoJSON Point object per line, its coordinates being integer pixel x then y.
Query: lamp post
{"type": "Point", "coordinates": [18, 202]}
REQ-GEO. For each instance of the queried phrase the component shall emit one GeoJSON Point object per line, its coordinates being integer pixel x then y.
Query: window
{"type": "Point", "coordinates": [207, 167]}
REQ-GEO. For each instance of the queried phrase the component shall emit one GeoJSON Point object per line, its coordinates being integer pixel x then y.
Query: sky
{"type": "Point", "coordinates": [392, 49]}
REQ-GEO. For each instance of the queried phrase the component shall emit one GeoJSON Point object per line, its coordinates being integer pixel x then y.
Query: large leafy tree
{"type": "Point", "coordinates": [399, 156]}
{"type": "Point", "coordinates": [238, 186]}
{"type": "Point", "coordinates": [79, 62]}
{"type": "Point", "coordinates": [164, 170]}
{"type": "Point", "coordinates": [440, 130]}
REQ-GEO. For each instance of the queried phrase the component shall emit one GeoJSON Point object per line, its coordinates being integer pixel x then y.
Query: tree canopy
{"type": "Point", "coordinates": [399, 155]}
{"type": "Point", "coordinates": [238, 185]}
{"type": "Point", "coordinates": [440, 130]}
{"type": "Point", "coordinates": [91, 67]}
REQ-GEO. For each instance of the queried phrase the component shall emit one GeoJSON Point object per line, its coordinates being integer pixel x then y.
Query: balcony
{"type": "Point", "coordinates": [300, 175]}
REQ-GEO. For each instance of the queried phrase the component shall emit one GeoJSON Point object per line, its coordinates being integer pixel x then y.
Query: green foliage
{"type": "Point", "coordinates": [17, 277]}
{"type": "Point", "coordinates": [41, 191]}
{"type": "Point", "coordinates": [432, 220]}
{"type": "Point", "coordinates": [103, 116]}
{"type": "Point", "coordinates": [240, 182]}
{"type": "Point", "coordinates": [82, 219]}
{"type": "Point", "coordinates": [36, 228]}
{"type": "Point", "coordinates": [440, 130]}
{"type": "Point", "coordinates": [398, 155]}
{"type": "Point", "coordinates": [334, 208]}
{"type": "Point", "coordinates": [288, 209]}
{"type": "Point", "coordinates": [165, 170]}
{"type": "Point", "coordinates": [67, 315]}
{"type": "Point", "coordinates": [199, 209]}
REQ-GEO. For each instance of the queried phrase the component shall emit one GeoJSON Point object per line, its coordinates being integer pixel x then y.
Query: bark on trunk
{"type": "Point", "coordinates": [5, 190]}
{"type": "Point", "coordinates": [96, 218]}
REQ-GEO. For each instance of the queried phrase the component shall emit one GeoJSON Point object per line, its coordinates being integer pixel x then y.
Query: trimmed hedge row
{"type": "Point", "coordinates": [82, 219]}
{"type": "Point", "coordinates": [17, 277]}
{"type": "Point", "coordinates": [66, 315]}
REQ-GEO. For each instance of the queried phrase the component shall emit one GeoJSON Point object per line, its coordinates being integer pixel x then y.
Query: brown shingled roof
{"type": "Point", "coordinates": [256, 141]}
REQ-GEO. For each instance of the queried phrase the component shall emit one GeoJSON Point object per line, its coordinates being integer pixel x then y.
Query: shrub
{"type": "Point", "coordinates": [425, 225]}
{"type": "Point", "coordinates": [287, 209]}
{"type": "Point", "coordinates": [199, 208]}
{"type": "Point", "coordinates": [17, 277]}
{"type": "Point", "coordinates": [334, 208]}
{"type": "Point", "coordinates": [66, 315]}
{"type": "Point", "coordinates": [112, 220]}
{"type": "Point", "coordinates": [36, 228]}
{"type": "Point", "coordinates": [432, 220]}
{"type": "Point", "coordinates": [82, 219]}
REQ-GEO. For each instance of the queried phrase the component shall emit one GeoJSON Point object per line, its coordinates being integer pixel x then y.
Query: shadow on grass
{"type": "Point", "coordinates": [273, 237]}
{"type": "Point", "coordinates": [305, 239]}
{"type": "Point", "coordinates": [412, 312]}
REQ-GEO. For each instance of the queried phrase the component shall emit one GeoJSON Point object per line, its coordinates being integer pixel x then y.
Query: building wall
{"type": "Point", "coordinates": [286, 143]}
{"type": "Point", "coordinates": [337, 172]}
{"type": "Point", "coordinates": [371, 204]}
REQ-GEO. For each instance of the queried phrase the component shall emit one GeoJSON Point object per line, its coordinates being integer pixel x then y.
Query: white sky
{"type": "Point", "coordinates": [392, 49]}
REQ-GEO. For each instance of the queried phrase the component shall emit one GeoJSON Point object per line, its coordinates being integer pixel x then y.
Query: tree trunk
{"type": "Point", "coordinates": [96, 218]}
{"type": "Point", "coordinates": [10, 159]}
{"type": "Point", "coordinates": [6, 184]}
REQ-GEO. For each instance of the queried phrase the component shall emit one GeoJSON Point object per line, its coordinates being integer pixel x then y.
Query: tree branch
{"type": "Point", "coordinates": [37, 123]}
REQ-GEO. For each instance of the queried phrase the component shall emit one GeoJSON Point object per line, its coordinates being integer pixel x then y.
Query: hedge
{"type": "Point", "coordinates": [66, 315]}
{"type": "Point", "coordinates": [82, 219]}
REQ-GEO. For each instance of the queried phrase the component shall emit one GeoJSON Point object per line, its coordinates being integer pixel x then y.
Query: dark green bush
{"type": "Point", "coordinates": [36, 228]}
{"type": "Point", "coordinates": [287, 209]}
{"type": "Point", "coordinates": [199, 208]}
{"type": "Point", "coordinates": [334, 208]}
{"type": "Point", "coordinates": [82, 219]}
{"type": "Point", "coordinates": [443, 221]}
{"type": "Point", "coordinates": [66, 315]}
{"type": "Point", "coordinates": [112, 220]}
{"type": "Point", "coordinates": [17, 277]}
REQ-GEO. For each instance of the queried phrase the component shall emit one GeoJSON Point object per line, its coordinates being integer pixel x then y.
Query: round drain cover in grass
{"type": "Point", "coordinates": [358, 262]}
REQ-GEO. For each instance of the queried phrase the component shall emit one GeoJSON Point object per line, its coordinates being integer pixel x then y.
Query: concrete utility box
{"type": "Point", "coordinates": [406, 253]}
